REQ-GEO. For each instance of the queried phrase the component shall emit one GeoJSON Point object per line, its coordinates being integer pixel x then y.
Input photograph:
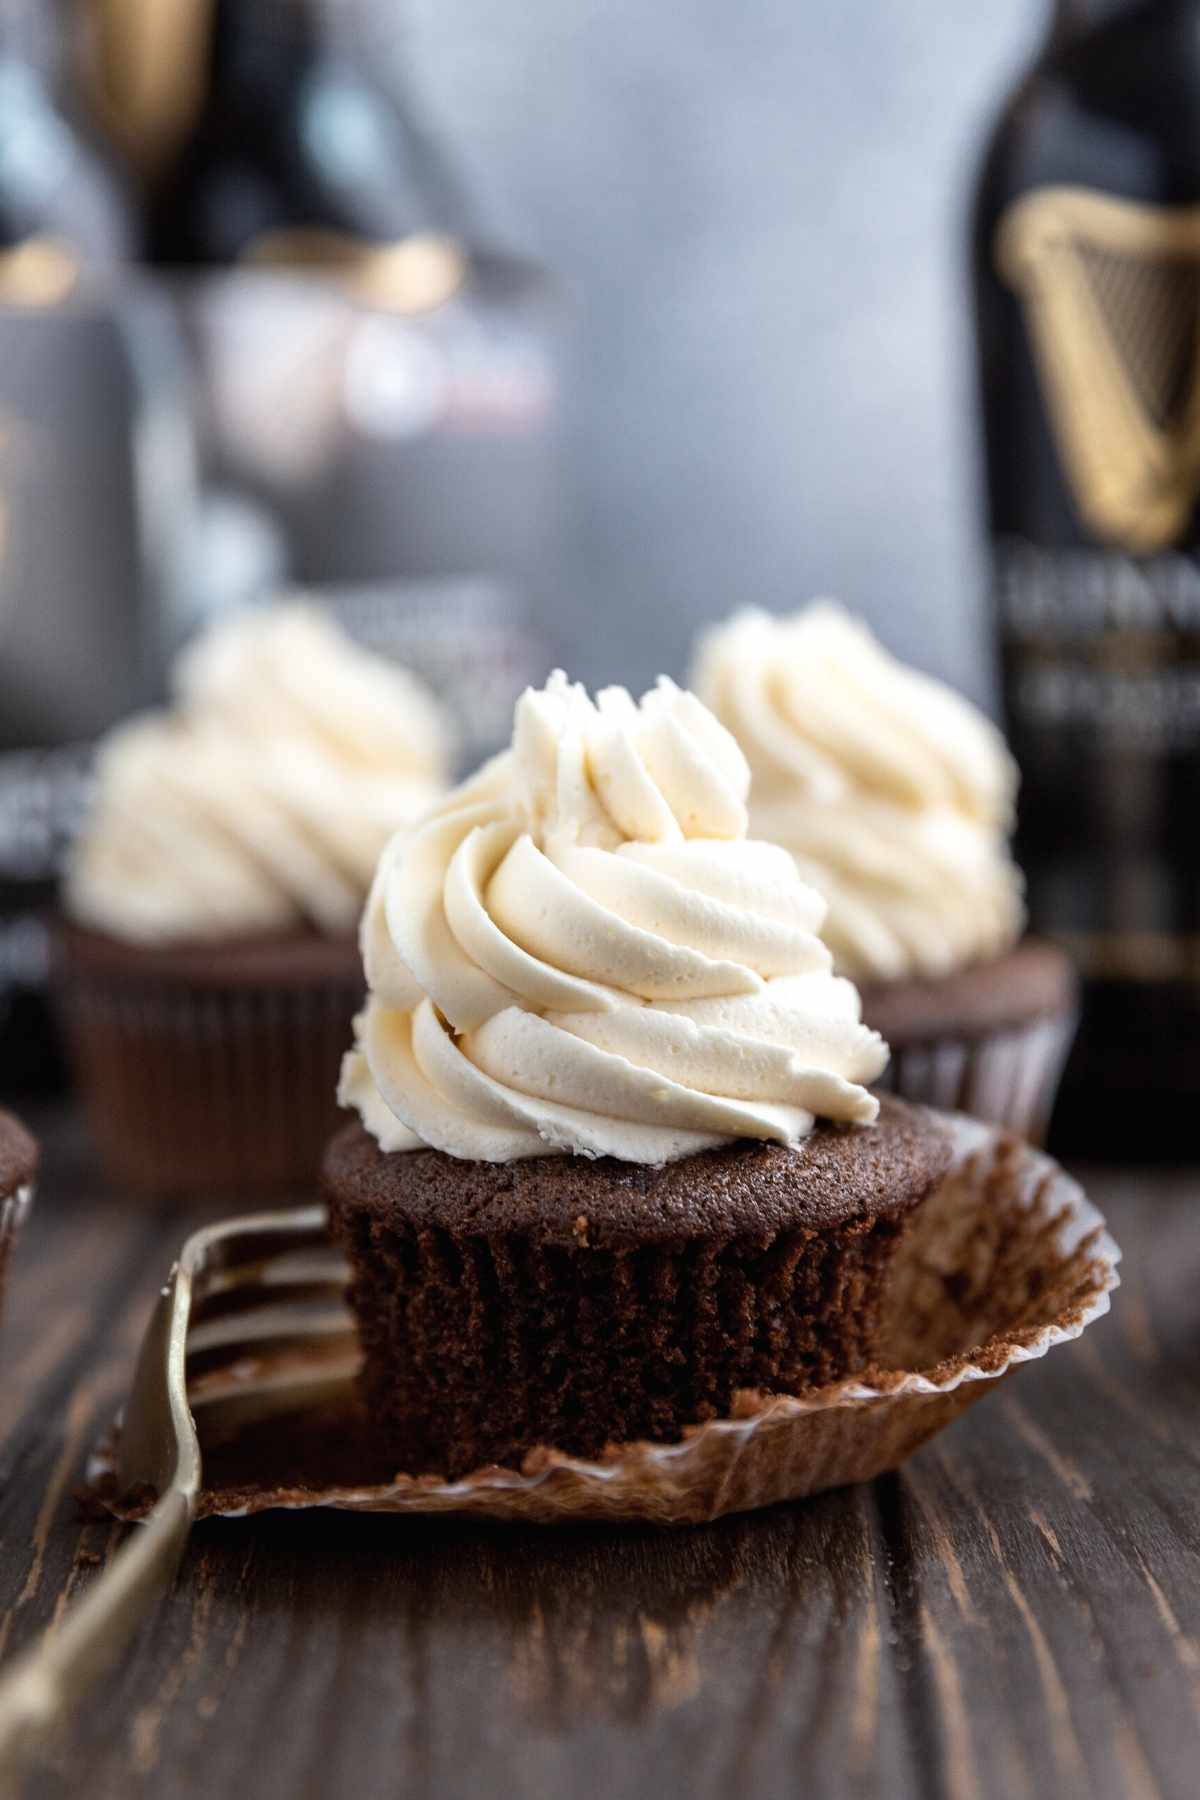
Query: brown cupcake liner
{"type": "Point", "coordinates": [188, 1087]}
{"type": "Point", "coordinates": [1009, 1078]}
{"type": "Point", "coordinates": [13, 1209]}
{"type": "Point", "coordinates": [1007, 1260]}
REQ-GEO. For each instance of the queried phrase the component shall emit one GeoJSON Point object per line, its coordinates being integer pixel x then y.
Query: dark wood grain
{"type": "Point", "coordinates": [1016, 1613]}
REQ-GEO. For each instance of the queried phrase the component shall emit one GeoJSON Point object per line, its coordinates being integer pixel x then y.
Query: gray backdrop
{"type": "Point", "coordinates": [758, 207]}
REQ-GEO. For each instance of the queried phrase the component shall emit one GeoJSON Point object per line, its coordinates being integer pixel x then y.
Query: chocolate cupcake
{"type": "Point", "coordinates": [18, 1170]}
{"type": "Point", "coordinates": [207, 968]}
{"type": "Point", "coordinates": [580, 1303]}
{"type": "Point", "coordinates": [617, 1160]}
{"type": "Point", "coordinates": [895, 797]}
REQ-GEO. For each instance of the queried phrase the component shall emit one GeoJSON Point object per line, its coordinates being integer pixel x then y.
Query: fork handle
{"type": "Point", "coordinates": [55, 1673]}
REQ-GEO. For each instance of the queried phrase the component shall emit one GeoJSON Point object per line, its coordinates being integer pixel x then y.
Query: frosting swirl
{"type": "Point", "coordinates": [893, 794]}
{"type": "Point", "coordinates": [261, 800]}
{"type": "Point", "coordinates": [579, 951]}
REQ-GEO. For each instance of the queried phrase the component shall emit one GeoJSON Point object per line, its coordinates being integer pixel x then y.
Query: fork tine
{"type": "Point", "coordinates": [284, 1269]}
{"type": "Point", "coordinates": [268, 1296]}
{"type": "Point", "coordinates": [307, 1314]}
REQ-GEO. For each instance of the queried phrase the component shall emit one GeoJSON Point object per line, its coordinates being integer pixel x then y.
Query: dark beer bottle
{"type": "Point", "coordinates": [294, 147]}
{"type": "Point", "coordinates": [1086, 246]}
{"type": "Point", "coordinates": [376, 381]}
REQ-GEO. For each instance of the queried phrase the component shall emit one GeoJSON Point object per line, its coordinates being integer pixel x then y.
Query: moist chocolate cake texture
{"type": "Point", "coordinates": [576, 1303]}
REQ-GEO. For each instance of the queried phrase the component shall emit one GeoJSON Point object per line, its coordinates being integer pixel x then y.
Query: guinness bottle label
{"type": "Point", "coordinates": [1102, 638]}
{"type": "Point", "coordinates": [1085, 239]}
{"type": "Point", "coordinates": [1111, 292]}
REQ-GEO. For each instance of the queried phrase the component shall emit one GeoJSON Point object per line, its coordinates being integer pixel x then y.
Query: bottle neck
{"type": "Point", "coordinates": [263, 40]}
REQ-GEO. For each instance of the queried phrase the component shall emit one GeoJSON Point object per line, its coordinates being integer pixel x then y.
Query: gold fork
{"type": "Point", "coordinates": [262, 1284]}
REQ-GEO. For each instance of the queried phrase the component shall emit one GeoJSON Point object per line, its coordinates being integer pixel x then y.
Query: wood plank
{"type": "Point", "coordinates": [1015, 1613]}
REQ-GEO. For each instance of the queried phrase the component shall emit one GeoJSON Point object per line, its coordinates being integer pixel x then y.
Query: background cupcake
{"type": "Point", "coordinates": [613, 1165]}
{"type": "Point", "coordinates": [18, 1170]}
{"type": "Point", "coordinates": [895, 796]}
{"type": "Point", "coordinates": [207, 957]}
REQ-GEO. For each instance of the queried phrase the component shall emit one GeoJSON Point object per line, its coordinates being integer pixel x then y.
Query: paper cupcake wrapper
{"type": "Point", "coordinates": [13, 1208]}
{"type": "Point", "coordinates": [187, 1088]}
{"type": "Point", "coordinates": [1007, 1260]}
{"type": "Point", "coordinates": [1009, 1078]}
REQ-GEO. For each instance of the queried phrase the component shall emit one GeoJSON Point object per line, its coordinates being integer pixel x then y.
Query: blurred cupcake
{"type": "Point", "coordinates": [617, 1161]}
{"type": "Point", "coordinates": [895, 797]}
{"type": "Point", "coordinates": [207, 962]}
{"type": "Point", "coordinates": [18, 1170]}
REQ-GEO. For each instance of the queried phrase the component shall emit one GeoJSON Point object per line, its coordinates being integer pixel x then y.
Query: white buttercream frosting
{"type": "Point", "coordinates": [581, 951]}
{"type": "Point", "coordinates": [894, 794]}
{"type": "Point", "coordinates": [261, 799]}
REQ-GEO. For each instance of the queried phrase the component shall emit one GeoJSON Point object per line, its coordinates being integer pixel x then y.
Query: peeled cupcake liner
{"type": "Point", "coordinates": [1009, 1078]}
{"type": "Point", "coordinates": [189, 1086]}
{"type": "Point", "coordinates": [1004, 1213]}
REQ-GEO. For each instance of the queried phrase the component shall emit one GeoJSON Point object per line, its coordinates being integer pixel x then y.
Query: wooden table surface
{"type": "Point", "coordinates": [1017, 1613]}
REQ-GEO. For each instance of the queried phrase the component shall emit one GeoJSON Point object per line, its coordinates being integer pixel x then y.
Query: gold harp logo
{"type": "Point", "coordinates": [1111, 290]}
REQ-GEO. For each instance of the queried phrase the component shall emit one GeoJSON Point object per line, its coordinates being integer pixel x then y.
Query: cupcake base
{"type": "Point", "coordinates": [580, 1303]}
{"type": "Point", "coordinates": [208, 1066]}
{"type": "Point", "coordinates": [990, 1040]}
